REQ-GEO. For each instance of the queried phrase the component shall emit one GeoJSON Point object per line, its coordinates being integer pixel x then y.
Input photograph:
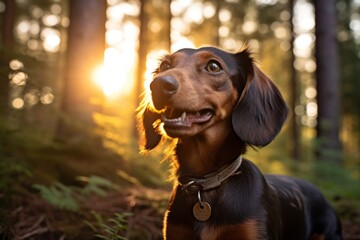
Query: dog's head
{"type": "Point", "coordinates": [194, 90]}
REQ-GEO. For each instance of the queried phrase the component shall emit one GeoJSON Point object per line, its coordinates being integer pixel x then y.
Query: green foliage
{"type": "Point", "coordinates": [59, 195]}
{"type": "Point", "coordinates": [96, 184]}
{"type": "Point", "coordinates": [340, 183]}
{"type": "Point", "coordinates": [335, 181]}
{"type": "Point", "coordinates": [10, 170]}
{"type": "Point", "coordinates": [10, 167]}
{"type": "Point", "coordinates": [110, 229]}
{"type": "Point", "coordinates": [68, 197]}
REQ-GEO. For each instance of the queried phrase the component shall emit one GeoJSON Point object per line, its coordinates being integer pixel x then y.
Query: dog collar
{"type": "Point", "coordinates": [192, 185]}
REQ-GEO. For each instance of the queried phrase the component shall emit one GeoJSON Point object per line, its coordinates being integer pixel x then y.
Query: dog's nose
{"type": "Point", "coordinates": [165, 85]}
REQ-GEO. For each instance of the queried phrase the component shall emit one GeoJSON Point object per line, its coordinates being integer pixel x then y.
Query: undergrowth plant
{"type": "Point", "coordinates": [12, 167]}
{"type": "Point", "coordinates": [68, 197]}
{"type": "Point", "coordinates": [59, 196]}
{"type": "Point", "coordinates": [11, 170]}
{"type": "Point", "coordinates": [110, 229]}
{"type": "Point", "coordinates": [95, 184]}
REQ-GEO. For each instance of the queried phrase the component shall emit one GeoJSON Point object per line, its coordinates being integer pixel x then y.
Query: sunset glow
{"type": "Point", "coordinates": [116, 75]}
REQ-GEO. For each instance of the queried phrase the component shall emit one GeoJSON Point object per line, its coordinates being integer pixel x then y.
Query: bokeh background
{"type": "Point", "coordinates": [72, 73]}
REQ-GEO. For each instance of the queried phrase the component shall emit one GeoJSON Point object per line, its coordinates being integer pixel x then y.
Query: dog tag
{"type": "Point", "coordinates": [202, 211]}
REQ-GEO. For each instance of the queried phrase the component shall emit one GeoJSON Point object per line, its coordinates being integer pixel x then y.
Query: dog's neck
{"type": "Point", "coordinates": [204, 153]}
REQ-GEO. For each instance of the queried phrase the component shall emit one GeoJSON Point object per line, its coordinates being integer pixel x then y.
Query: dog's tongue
{"type": "Point", "coordinates": [187, 119]}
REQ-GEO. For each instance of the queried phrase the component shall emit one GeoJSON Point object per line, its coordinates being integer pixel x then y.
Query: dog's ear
{"type": "Point", "coordinates": [148, 128]}
{"type": "Point", "coordinates": [260, 111]}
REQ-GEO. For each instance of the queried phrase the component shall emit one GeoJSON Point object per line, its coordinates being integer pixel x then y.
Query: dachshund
{"type": "Point", "coordinates": [214, 105]}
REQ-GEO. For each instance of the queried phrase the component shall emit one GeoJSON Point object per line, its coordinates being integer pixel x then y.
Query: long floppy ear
{"type": "Point", "coordinates": [148, 129]}
{"type": "Point", "coordinates": [261, 110]}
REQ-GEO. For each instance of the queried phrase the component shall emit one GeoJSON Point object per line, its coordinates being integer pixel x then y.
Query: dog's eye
{"type": "Point", "coordinates": [164, 66]}
{"type": "Point", "coordinates": [213, 66]}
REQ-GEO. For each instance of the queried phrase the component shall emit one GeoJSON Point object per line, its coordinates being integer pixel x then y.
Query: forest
{"type": "Point", "coordinates": [72, 74]}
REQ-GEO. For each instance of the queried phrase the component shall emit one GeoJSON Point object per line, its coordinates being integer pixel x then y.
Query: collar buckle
{"type": "Point", "coordinates": [192, 187]}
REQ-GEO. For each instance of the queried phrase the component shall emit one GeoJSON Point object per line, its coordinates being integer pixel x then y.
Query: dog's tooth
{"type": "Point", "coordinates": [183, 116]}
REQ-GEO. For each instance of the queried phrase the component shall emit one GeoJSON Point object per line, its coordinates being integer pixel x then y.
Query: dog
{"type": "Point", "coordinates": [215, 105]}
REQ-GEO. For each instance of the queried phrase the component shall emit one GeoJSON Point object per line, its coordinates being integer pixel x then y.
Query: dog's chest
{"type": "Point", "coordinates": [214, 228]}
{"type": "Point", "coordinates": [245, 231]}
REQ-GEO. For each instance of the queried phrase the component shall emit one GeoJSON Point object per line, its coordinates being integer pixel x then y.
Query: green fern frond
{"type": "Point", "coordinates": [58, 195]}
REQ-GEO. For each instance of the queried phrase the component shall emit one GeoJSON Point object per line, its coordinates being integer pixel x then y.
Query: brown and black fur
{"type": "Point", "coordinates": [246, 109]}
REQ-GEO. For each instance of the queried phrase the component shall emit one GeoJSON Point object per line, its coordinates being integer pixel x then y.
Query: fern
{"type": "Point", "coordinates": [67, 197]}
{"type": "Point", "coordinates": [96, 184]}
{"type": "Point", "coordinates": [110, 229]}
{"type": "Point", "coordinates": [58, 195]}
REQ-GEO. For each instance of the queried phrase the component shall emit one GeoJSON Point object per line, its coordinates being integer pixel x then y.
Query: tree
{"type": "Point", "coordinates": [85, 50]}
{"type": "Point", "coordinates": [294, 129]}
{"type": "Point", "coordinates": [6, 44]}
{"type": "Point", "coordinates": [150, 40]}
{"type": "Point", "coordinates": [167, 24]}
{"type": "Point", "coordinates": [142, 52]}
{"type": "Point", "coordinates": [327, 78]}
{"type": "Point", "coordinates": [350, 70]}
{"type": "Point", "coordinates": [8, 23]}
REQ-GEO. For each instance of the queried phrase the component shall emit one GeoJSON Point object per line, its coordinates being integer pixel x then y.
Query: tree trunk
{"type": "Point", "coordinates": [217, 40]}
{"type": "Point", "coordinates": [8, 23]}
{"type": "Point", "coordinates": [142, 52]}
{"type": "Point", "coordinates": [168, 25]}
{"type": "Point", "coordinates": [85, 50]}
{"type": "Point", "coordinates": [327, 77]}
{"type": "Point", "coordinates": [294, 129]}
{"type": "Point", "coordinates": [7, 42]}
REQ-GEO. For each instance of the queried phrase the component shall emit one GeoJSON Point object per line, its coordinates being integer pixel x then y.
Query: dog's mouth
{"type": "Point", "coordinates": [182, 118]}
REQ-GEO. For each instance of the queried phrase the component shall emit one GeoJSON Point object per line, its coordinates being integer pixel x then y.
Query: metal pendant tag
{"type": "Point", "coordinates": [202, 211]}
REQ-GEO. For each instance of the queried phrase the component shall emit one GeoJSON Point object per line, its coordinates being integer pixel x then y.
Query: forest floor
{"type": "Point", "coordinates": [140, 212]}
{"type": "Point", "coordinates": [44, 194]}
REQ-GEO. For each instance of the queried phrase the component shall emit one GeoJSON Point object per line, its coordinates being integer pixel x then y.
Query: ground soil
{"type": "Point", "coordinates": [33, 218]}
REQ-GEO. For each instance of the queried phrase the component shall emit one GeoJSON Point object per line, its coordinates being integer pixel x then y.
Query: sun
{"type": "Point", "coordinates": [116, 75]}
